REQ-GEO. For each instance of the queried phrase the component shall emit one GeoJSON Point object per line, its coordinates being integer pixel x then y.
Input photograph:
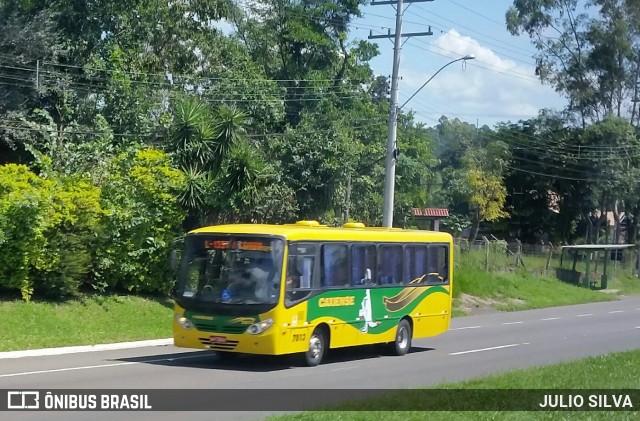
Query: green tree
{"type": "Point", "coordinates": [142, 218]}
{"type": "Point", "coordinates": [302, 44]}
{"type": "Point", "coordinates": [548, 183]}
{"type": "Point", "coordinates": [612, 151]}
{"type": "Point", "coordinates": [487, 199]}
{"type": "Point", "coordinates": [472, 163]}
{"type": "Point", "coordinates": [592, 59]}
{"type": "Point", "coordinates": [415, 173]}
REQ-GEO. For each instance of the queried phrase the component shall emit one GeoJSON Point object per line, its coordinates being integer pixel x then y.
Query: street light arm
{"type": "Point", "coordinates": [465, 58]}
{"type": "Point", "coordinates": [390, 169]}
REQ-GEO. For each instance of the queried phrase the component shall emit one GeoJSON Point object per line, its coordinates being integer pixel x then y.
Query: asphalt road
{"type": "Point", "coordinates": [474, 346]}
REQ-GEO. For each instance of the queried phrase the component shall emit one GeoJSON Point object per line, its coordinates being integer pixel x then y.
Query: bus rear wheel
{"type": "Point", "coordinates": [317, 348]}
{"type": "Point", "coordinates": [402, 345]}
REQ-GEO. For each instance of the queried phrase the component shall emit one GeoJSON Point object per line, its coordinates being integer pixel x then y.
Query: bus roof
{"type": "Point", "coordinates": [309, 231]}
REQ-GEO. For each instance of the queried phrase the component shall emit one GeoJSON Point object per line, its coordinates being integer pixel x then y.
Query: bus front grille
{"type": "Point", "coordinates": [230, 329]}
{"type": "Point", "coordinates": [220, 346]}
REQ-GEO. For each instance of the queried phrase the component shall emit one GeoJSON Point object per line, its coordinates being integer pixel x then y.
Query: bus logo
{"type": "Point", "coordinates": [244, 320]}
{"type": "Point", "coordinates": [366, 312]}
{"type": "Point", "coordinates": [402, 299]}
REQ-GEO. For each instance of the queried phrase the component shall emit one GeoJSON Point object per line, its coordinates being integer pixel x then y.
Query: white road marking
{"type": "Point", "coordinates": [89, 367]}
{"type": "Point", "coordinates": [616, 311]}
{"type": "Point", "coordinates": [466, 327]}
{"type": "Point", "coordinates": [512, 323]}
{"type": "Point", "coordinates": [84, 348]}
{"type": "Point", "coordinates": [585, 315]}
{"type": "Point", "coordinates": [551, 318]}
{"type": "Point", "coordinates": [487, 349]}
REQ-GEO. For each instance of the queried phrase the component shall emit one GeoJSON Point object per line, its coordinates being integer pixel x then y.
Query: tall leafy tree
{"type": "Point", "coordinates": [303, 45]}
{"type": "Point", "coordinates": [472, 162]}
{"type": "Point", "coordinates": [591, 58]}
{"type": "Point", "coordinates": [548, 184]}
{"type": "Point", "coordinates": [612, 151]}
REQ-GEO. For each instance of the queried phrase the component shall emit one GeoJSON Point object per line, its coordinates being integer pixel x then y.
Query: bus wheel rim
{"type": "Point", "coordinates": [315, 347]}
{"type": "Point", "coordinates": [403, 338]}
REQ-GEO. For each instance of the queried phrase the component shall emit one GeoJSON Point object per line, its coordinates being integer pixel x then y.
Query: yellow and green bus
{"type": "Point", "coordinates": [305, 288]}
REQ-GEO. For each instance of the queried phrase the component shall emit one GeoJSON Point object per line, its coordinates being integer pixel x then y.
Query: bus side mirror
{"type": "Point", "coordinates": [173, 259]}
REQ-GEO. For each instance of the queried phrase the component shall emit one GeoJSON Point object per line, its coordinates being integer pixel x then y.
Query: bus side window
{"type": "Point", "coordinates": [443, 263]}
{"type": "Point", "coordinates": [298, 280]}
{"type": "Point", "coordinates": [438, 264]}
{"type": "Point", "coordinates": [334, 265]}
{"type": "Point", "coordinates": [363, 260]}
{"type": "Point", "coordinates": [389, 264]}
{"type": "Point", "coordinates": [415, 264]}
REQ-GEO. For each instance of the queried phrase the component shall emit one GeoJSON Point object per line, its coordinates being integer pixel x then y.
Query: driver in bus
{"type": "Point", "coordinates": [293, 284]}
{"type": "Point", "coordinates": [248, 280]}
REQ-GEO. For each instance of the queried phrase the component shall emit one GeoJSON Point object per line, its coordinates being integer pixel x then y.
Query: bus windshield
{"type": "Point", "coordinates": [230, 270]}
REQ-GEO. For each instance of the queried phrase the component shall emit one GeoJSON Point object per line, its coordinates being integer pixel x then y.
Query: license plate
{"type": "Point", "coordinates": [218, 339]}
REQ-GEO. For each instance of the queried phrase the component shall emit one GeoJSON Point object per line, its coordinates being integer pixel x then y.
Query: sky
{"type": "Point", "coordinates": [499, 85]}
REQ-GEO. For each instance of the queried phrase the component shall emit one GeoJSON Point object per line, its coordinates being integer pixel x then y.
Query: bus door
{"type": "Point", "coordinates": [299, 284]}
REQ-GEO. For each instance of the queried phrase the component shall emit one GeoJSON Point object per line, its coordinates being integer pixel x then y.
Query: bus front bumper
{"type": "Point", "coordinates": [263, 343]}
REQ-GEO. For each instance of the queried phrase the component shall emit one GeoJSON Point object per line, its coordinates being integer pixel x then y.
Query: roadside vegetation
{"type": "Point", "coordinates": [115, 144]}
{"type": "Point", "coordinates": [509, 288]}
{"type": "Point", "coordinates": [87, 321]}
{"type": "Point", "coordinates": [613, 371]}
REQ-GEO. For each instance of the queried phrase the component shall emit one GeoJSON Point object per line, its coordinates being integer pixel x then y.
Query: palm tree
{"type": "Point", "coordinates": [209, 147]}
{"type": "Point", "coordinates": [229, 127]}
{"type": "Point", "coordinates": [193, 139]}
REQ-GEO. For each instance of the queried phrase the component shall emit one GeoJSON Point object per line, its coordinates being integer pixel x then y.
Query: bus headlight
{"type": "Point", "coordinates": [258, 328]}
{"type": "Point", "coordinates": [183, 321]}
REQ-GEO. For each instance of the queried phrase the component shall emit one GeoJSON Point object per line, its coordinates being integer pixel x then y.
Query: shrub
{"type": "Point", "coordinates": [24, 210]}
{"type": "Point", "coordinates": [70, 234]}
{"type": "Point", "coordinates": [142, 218]}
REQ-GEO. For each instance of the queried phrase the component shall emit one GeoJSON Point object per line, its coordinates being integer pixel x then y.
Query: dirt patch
{"type": "Point", "coordinates": [471, 305]}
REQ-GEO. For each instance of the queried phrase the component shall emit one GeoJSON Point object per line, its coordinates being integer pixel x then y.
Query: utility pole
{"type": "Point", "coordinates": [392, 150]}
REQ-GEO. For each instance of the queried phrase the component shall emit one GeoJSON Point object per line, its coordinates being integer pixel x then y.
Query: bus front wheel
{"type": "Point", "coordinates": [402, 345]}
{"type": "Point", "coordinates": [317, 348]}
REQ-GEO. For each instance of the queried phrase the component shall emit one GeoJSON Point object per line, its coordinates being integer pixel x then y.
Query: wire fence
{"type": "Point", "coordinates": [495, 255]}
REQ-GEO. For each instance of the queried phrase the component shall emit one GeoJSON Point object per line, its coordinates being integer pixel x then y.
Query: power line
{"type": "Point", "coordinates": [555, 176]}
{"type": "Point", "coordinates": [107, 133]}
{"type": "Point", "coordinates": [500, 24]}
{"type": "Point", "coordinates": [481, 34]}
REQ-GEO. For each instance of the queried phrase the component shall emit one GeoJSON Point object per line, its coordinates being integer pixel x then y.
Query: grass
{"type": "Point", "coordinates": [614, 371]}
{"type": "Point", "coordinates": [512, 288]}
{"type": "Point", "coordinates": [88, 321]}
{"type": "Point", "coordinates": [626, 284]}
{"type": "Point", "coordinates": [521, 290]}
